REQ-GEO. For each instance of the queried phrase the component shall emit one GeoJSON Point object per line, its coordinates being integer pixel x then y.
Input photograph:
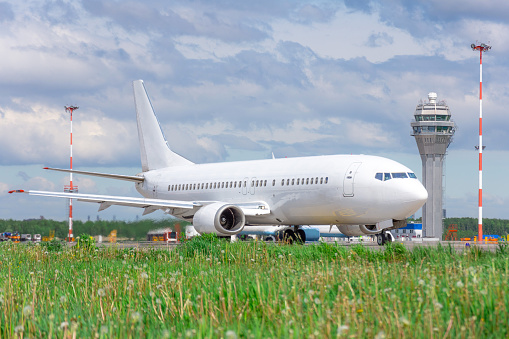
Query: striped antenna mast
{"type": "Point", "coordinates": [71, 188]}
{"type": "Point", "coordinates": [481, 48]}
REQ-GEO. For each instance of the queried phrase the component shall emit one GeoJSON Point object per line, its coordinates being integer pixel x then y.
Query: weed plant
{"type": "Point", "coordinates": [209, 288]}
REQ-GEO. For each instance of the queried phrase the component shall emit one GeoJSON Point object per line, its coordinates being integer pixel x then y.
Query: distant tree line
{"type": "Point", "coordinates": [136, 230]}
{"type": "Point", "coordinates": [468, 227]}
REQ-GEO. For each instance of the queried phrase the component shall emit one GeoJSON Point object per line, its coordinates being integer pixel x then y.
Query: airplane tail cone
{"type": "Point", "coordinates": [154, 149]}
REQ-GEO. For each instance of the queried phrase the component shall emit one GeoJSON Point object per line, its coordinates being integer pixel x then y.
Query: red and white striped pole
{"type": "Point", "coordinates": [481, 48]}
{"type": "Point", "coordinates": [70, 109]}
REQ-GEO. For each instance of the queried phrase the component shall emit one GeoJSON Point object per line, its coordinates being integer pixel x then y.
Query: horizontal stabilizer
{"type": "Point", "coordinates": [134, 178]}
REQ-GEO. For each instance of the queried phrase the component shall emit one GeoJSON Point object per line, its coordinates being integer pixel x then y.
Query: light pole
{"type": "Point", "coordinates": [481, 48]}
{"type": "Point", "coordinates": [71, 188]}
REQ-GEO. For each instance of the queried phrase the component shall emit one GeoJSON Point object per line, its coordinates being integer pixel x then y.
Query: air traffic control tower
{"type": "Point", "coordinates": [433, 131]}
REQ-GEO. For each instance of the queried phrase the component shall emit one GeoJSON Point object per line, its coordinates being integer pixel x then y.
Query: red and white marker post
{"type": "Point", "coordinates": [71, 188]}
{"type": "Point", "coordinates": [481, 48]}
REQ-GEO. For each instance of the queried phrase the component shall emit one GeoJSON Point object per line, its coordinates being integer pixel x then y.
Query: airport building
{"type": "Point", "coordinates": [433, 130]}
{"type": "Point", "coordinates": [410, 232]}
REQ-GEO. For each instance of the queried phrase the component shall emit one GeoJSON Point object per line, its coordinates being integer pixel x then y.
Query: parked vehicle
{"type": "Point", "coordinates": [26, 237]}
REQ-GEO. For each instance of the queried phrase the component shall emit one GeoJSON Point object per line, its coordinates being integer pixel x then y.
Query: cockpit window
{"type": "Point", "coordinates": [412, 175]}
{"type": "Point", "coordinates": [387, 176]}
{"type": "Point", "coordinates": [399, 175]}
{"type": "Point", "coordinates": [379, 176]}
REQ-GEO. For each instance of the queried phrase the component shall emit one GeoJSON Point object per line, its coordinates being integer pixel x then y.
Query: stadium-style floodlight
{"type": "Point", "coordinates": [481, 48]}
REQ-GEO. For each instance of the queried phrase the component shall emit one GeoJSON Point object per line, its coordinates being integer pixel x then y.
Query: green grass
{"type": "Point", "coordinates": [211, 288]}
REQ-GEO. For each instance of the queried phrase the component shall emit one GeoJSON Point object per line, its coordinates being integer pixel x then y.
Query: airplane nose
{"type": "Point", "coordinates": [421, 195]}
{"type": "Point", "coordinates": [411, 198]}
{"type": "Point", "coordinates": [416, 196]}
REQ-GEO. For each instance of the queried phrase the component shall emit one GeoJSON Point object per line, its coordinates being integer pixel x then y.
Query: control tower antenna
{"type": "Point", "coordinates": [481, 48]}
{"type": "Point", "coordinates": [71, 188]}
{"type": "Point", "coordinates": [433, 130]}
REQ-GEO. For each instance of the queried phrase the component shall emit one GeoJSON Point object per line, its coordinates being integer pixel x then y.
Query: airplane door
{"type": "Point", "coordinates": [348, 181]}
{"type": "Point", "coordinates": [245, 182]}
{"type": "Point", "coordinates": [252, 186]}
{"type": "Point", "coordinates": [154, 191]}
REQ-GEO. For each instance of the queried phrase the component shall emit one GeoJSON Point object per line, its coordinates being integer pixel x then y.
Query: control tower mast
{"type": "Point", "coordinates": [433, 131]}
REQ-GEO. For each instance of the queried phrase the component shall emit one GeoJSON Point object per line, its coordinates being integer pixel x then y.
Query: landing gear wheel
{"type": "Point", "coordinates": [301, 236]}
{"type": "Point", "coordinates": [388, 237]}
{"type": "Point", "coordinates": [289, 237]}
{"type": "Point", "coordinates": [380, 239]}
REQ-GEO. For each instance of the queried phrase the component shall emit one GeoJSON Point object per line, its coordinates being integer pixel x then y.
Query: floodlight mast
{"type": "Point", "coordinates": [481, 48]}
{"type": "Point", "coordinates": [70, 188]}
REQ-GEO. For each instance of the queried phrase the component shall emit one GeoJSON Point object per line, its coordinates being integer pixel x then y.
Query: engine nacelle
{"type": "Point", "coordinates": [219, 218]}
{"type": "Point", "coordinates": [358, 230]}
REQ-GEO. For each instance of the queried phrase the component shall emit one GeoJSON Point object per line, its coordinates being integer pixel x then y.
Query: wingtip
{"type": "Point", "coordinates": [16, 191]}
{"type": "Point", "coordinates": [45, 168]}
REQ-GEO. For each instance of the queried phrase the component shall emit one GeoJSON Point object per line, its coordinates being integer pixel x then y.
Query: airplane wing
{"type": "Point", "coordinates": [150, 205]}
{"type": "Point", "coordinates": [135, 178]}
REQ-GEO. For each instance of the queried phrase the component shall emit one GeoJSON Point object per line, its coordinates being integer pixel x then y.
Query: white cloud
{"type": "Point", "coordinates": [41, 135]}
{"type": "Point", "coordinates": [4, 188]}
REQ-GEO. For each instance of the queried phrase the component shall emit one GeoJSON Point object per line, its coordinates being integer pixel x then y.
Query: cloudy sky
{"type": "Point", "coordinates": [236, 80]}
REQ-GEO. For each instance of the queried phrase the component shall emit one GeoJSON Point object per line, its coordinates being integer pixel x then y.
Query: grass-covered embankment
{"type": "Point", "coordinates": [210, 288]}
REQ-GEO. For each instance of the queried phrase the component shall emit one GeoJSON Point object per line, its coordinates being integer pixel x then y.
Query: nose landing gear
{"type": "Point", "coordinates": [383, 237]}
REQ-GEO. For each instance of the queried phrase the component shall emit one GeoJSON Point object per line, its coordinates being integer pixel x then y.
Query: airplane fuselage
{"type": "Point", "coordinates": [336, 189]}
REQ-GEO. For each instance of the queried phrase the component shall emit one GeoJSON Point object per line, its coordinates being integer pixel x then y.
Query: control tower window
{"type": "Point", "coordinates": [412, 175]}
{"type": "Point", "coordinates": [379, 176]}
{"type": "Point", "coordinates": [399, 175]}
{"type": "Point", "coordinates": [387, 176]}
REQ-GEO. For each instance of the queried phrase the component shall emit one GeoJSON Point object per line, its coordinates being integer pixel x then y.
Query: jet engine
{"type": "Point", "coordinates": [357, 230]}
{"type": "Point", "coordinates": [219, 218]}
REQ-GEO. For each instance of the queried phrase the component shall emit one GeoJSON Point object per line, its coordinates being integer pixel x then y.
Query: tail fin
{"type": "Point", "coordinates": [154, 149]}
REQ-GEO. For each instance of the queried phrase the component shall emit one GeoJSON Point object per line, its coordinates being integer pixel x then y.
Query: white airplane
{"type": "Point", "coordinates": [360, 194]}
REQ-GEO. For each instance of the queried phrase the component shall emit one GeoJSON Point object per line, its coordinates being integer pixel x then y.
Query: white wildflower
{"type": "Point", "coordinates": [341, 329]}
{"type": "Point", "coordinates": [135, 317]}
{"type": "Point", "coordinates": [27, 310]}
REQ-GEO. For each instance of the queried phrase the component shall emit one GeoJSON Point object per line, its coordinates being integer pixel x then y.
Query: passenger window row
{"type": "Point", "coordinates": [398, 175]}
{"type": "Point", "coordinates": [304, 181]}
{"type": "Point", "coordinates": [239, 184]}
{"type": "Point", "coordinates": [214, 185]}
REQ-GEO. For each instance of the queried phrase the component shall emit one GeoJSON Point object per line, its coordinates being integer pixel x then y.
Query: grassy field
{"type": "Point", "coordinates": [210, 288]}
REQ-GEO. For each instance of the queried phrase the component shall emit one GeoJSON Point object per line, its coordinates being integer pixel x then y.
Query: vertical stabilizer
{"type": "Point", "coordinates": [154, 149]}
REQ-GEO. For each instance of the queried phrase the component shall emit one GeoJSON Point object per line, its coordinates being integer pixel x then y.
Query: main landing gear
{"type": "Point", "coordinates": [383, 237]}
